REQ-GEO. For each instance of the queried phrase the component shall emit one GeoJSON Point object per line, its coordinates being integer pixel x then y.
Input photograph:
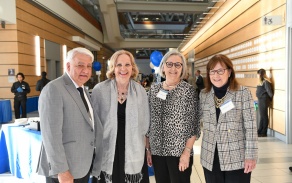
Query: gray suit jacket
{"type": "Point", "coordinates": [67, 133]}
{"type": "Point", "coordinates": [235, 133]}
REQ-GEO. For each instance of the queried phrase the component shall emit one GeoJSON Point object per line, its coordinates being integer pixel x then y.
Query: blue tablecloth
{"type": "Point", "coordinates": [23, 147]}
{"type": "Point", "coordinates": [32, 104]}
{"type": "Point", "coordinates": [5, 111]}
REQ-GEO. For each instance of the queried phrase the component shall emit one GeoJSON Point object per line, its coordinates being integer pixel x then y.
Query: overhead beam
{"type": "Point", "coordinates": [150, 43]}
{"type": "Point", "coordinates": [151, 6]}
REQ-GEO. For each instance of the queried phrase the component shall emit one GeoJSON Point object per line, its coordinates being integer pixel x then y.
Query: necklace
{"type": "Point", "coordinates": [219, 102]}
{"type": "Point", "coordinates": [122, 96]}
{"type": "Point", "coordinates": [171, 86]}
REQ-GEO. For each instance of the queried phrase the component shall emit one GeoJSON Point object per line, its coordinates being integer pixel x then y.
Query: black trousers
{"type": "Point", "coordinates": [263, 104]}
{"type": "Point", "coordinates": [166, 170]}
{"type": "Point", "coordinates": [17, 103]}
{"type": "Point", "coordinates": [218, 176]}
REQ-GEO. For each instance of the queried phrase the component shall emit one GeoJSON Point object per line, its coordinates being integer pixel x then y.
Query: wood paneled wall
{"type": "Point", "coordinates": [17, 48]}
{"type": "Point", "coordinates": [241, 35]}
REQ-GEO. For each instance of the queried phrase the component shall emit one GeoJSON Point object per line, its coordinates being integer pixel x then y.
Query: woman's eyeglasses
{"type": "Point", "coordinates": [219, 71]}
{"type": "Point", "coordinates": [176, 64]}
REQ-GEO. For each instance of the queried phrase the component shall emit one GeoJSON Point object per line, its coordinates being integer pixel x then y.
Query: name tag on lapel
{"type": "Point", "coordinates": [226, 106]}
{"type": "Point", "coordinates": [162, 94]}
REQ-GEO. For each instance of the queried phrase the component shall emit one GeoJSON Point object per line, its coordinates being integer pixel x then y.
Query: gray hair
{"type": "Point", "coordinates": [166, 56]}
{"type": "Point", "coordinates": [71, 54]}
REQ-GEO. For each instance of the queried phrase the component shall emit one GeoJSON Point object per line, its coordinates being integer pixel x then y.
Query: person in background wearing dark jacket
{"type": "Point", "coordinates": [42, 82]}
{"type": "Point", "coordinates": [264, 94]}
{"type": "Point", "coordinates": [199, 82]}
{"type": "Point", "coordinates": [20, 89]}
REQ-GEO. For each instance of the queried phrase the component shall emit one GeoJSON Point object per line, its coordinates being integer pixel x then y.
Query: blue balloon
{"type": "Point", "coordinates": [152, 70]}
{"type": "Point", "coordinates": [96, 65]}
{"type": "Point", "coordinates": [156, 57]}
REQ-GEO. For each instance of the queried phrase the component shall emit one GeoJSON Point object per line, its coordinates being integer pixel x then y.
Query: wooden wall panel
{"type": "Point", "coordinates": [277, 121]}
{"type": "Point", "coordinates": [9, 47]}
{"type": "Point", "coordinates": [18, 52]}
{"type": "Point", "coordinates": [8, 35]}
{"type": "Point", "coordinates": [251, 46]}
{"type": "Point", "coordinates": [8, 58]}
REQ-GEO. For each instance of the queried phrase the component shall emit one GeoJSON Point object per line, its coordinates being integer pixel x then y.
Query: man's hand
{"type": "Point", "coordinates": [65, 177]}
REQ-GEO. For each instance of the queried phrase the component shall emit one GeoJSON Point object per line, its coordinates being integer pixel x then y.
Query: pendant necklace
{"type": "Point", "coordinates": [219, 102]}
{"type": "Point", "coordinates": [171, 86]}
{"type": "Point", "coordinates": [122, 96]}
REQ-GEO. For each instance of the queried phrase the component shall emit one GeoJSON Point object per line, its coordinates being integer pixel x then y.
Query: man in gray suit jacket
{"type": "Point", "coordinates": [71, 132]}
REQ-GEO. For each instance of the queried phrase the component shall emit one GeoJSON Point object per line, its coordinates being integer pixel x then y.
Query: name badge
{"type": "Point", "coordinates": [162, 94]}
{"type": "Point", "coordinates": [227, 106]}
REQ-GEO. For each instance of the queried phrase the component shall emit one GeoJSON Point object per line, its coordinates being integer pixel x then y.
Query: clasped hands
{"type": "Point", "coordinates": [19, 89]}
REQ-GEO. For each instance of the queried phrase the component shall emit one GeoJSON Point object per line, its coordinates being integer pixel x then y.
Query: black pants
{"type": "Point", "coordinates": [166, 170]}
{"type": "Point", "coordinates": [263, 104]}
{"type": "Point", "coordinates": [218, 176]}
{"type": "Point", "coordinates": [17, 103]}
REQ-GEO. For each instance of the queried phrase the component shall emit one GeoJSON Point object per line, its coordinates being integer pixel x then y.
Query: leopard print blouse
{"type": "Point", "coordinates": [174, 120]}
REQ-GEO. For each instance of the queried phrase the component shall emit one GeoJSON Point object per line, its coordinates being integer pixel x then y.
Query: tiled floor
{"type": "Point", "coordinates": [275, 158]}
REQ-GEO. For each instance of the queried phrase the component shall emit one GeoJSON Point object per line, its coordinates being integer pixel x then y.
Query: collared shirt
{"type": "Point", "coordinates": [91, 117]}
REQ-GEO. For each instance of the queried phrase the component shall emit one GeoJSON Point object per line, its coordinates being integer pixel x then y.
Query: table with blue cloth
{"type": "Point", "coordinates": [5, 111]}
{"type": "Point", "coordinates": [20, 148]}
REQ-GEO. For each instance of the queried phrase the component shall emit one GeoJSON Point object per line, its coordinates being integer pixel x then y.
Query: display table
{"type": "Point", "coordinates": [5, 111]}
{"type": "Point", "coordinates": [20, 148]}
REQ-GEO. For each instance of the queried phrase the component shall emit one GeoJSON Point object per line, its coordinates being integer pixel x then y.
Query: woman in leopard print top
{"type": "Point", "coordinates": [174, 125]}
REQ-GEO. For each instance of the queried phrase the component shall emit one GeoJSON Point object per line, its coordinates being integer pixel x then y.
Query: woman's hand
{"type": "Point", "coordinates": [184, 161]}
{"type": "Point", "coordinates": [149, 158]}
{"type": "Point", "coordinates": [249, 165]}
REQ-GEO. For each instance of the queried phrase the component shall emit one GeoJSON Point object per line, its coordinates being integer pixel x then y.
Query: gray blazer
{"type": "Point", "coordinates": [235, 133]}
{"type": "Point", "coordinates": [67, 133]}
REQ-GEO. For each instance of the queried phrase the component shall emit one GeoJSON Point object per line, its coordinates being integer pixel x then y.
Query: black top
{"type": "Point", "coordinates": [23, 85]}
{"type": "Point", "coordinates": [200, 82]}
{"type": "Point", "coordinates": [219, 93]}
{"type": "Point", "coordinates": [264, 90]}
{"type": "Point", "coordinates": [119, 161]}
{"type": "Point", "coordinates": [41, 84]}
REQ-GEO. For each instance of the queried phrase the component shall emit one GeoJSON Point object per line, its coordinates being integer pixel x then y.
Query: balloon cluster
{"type": "Point", "coordinates": [155, 58]}
{"type": "Point", "coordinates": [96, 65]}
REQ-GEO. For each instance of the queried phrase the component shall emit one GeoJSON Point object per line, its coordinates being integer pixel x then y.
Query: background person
{"type": "Point", "coordinates": [122, 105]}
{"type": "Point", "coordinates": [229, 148]}
{"type": "Point", "coordinates": [20, 89]}
{"type": "Point", "coordinates": [199, 82]}
{"type": "Point", "coordinates": [42, 82]}
{"type": "Point", "coordinates": [264, 94]}
{"type": "Point", "coordinates": [70, 130]}
{"type": "Point", "coordinates": [174, 122]}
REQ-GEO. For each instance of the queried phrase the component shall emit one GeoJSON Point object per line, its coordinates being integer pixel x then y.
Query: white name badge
{"type": "Point", "coordinates": [227, 106]}
{"type": "Point", "coordinates": [162, 94]}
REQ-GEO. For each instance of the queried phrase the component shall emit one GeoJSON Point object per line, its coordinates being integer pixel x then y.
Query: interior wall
{"type": "Point", "coordinates": [242, 35]}
{"type": "Point", "coordinates": [17, 48]}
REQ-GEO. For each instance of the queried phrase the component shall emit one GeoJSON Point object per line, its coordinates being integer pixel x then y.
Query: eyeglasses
{"type": "Point", "coordinates": [82, 66]}
{"type": "Point", "coordinates": [176, 64]}
{"type": "Point", "coordinates": [219, 71]}
{"type": "Point", "coordinates": [121, 65]}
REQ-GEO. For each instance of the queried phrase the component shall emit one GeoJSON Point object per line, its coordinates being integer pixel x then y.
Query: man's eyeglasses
{"type": "Point", "coordinates": [82, 66]}
{"type": "Point", "coordinates": [219, 71]}
{"type": "Point", "coordinates": [176, 64]}
{"type": "Point", "coordinates": [126, 65]}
